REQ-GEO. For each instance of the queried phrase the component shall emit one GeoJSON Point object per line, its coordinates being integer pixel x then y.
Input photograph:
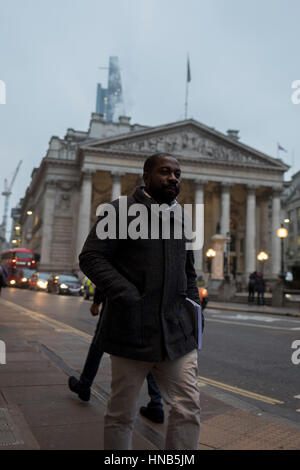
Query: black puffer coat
{"type": "Point", "coordinates": [145, 283]}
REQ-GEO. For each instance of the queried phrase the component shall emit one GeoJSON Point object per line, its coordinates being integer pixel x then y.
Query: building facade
{"type": "Point", "coordinates": [240, 187]}
{"type": "Point", "coordinates": [291, 205]}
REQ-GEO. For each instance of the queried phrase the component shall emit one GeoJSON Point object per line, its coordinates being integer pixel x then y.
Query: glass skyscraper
{"type": "Point", "coordinates": [109, 100]}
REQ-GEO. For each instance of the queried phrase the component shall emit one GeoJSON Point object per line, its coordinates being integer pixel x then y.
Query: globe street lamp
{"type": "Point", "coordinates": [210, 254]}
{"type": "Point", "coordinates": [282, 233]}
{"type": "Point", "coordinates": [262, 256]}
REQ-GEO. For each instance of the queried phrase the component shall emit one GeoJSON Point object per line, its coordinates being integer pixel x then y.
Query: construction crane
{"type": "Point", "coordinates": [7, 193]}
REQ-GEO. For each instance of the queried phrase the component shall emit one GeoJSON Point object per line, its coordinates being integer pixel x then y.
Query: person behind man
{"type": "Point", "coordinates": [145, 324]}
{"type": "Point", "coordinates": [82, 387]}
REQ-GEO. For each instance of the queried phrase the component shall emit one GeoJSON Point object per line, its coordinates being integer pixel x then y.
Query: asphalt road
{"type": "Point", "coordinates": [247, 356]}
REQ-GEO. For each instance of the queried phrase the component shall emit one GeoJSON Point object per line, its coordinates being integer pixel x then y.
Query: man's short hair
{"type": "Point", "coordinates": [152, 160]}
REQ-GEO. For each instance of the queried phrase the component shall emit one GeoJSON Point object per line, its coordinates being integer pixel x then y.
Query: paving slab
{"type": "Point", "coordinates": [36, 394]}
{"type": "Point", "coordinates": [70, 411]}
{"type": "Point", "coordinates": [15, 367]}
{"type": "Point", "coordinates": [2, 399]}
{"type": "Point", "coordinates": [23, 356]}
{"type": "Point", "coordinates": [211, 407]}
{"type": "Point", "coordinates": [15, 434]}
{"type": "Point", "coordinates": [81, 436]}
{"type": "Point", "coordinates": [8, 379]}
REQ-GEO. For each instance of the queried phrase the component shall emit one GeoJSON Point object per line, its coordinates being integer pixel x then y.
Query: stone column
{"type": "Point", "coordinates": [276, 247]}
{"type": "Point", "coordinates": [199, 199]}
{"type": "Point", "coordinates": [225, 209]}
{"type": "Point", "coordinates": [262, 242]}
{"type": "Point", "coordinates": [48, 219]}
{"type": "Point", "coordinates": [84, 213]}
{"type": "Point", "coordinates": [238, 251]}
{"type": "Point", "coordinates": [250, 264]}
{"type": "Point", "coordinates": [264, 226]}
{"type": "Point", "coordinates": [215, 208]}
{"type": "Point", "coordinates": [116, 185]}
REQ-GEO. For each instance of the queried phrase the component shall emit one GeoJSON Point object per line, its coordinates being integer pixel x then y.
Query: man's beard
{"type": "Point", "coordinates": [166, 194]}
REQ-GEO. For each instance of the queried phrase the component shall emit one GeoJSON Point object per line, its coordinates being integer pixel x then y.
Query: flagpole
{"type": "Point", "coordinates": [186, 99]}
{"type": "Point", "coordinates": [188, 79]}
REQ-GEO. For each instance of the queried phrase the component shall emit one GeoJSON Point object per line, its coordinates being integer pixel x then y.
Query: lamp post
{"type": "Point", "coordinates": [282, 233]}
{"type": "Point", "coordinates": [262, 256]}
{"type": "Point", "coordinates": [210, 254]}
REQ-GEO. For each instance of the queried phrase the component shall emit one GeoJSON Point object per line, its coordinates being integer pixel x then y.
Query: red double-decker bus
{"type": "Point", "coordinates": [18, 262]}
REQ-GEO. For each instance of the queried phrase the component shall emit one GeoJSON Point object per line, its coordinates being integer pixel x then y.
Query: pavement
{"type": "Point", "coordinates": [37, 411]}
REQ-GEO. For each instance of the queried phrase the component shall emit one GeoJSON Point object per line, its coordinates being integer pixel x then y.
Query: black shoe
{"type": "Point", "coordinates": [155, 415]}
{"type": "Point", "coordinates": [76, 386]}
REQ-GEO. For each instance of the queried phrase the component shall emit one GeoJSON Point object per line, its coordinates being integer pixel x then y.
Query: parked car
{"type": "Point", "coordinates": [64, 284]}
{"type": "Point", "coordinates": [39, 281]}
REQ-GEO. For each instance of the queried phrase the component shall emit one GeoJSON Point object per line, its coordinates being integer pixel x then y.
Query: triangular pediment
{"type": "Point", "coordinates": [190, 140]}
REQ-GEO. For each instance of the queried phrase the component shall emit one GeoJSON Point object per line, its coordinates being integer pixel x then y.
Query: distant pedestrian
{"type": "Point", "coordinates": [3, 277]}
{"type": "Point", "coordinates": [260, 287]}
{"type": "Point", "coordinates": [251, 287]}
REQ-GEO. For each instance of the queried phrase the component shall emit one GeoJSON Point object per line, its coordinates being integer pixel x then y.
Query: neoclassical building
{"type": "Point", "coordinates": [291, 205]}
{"type": "Point", "coordinates": [240, 187]}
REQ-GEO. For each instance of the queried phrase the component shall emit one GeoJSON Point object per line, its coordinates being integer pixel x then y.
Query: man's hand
{"type": "Point", "coordinates": [94, 309]}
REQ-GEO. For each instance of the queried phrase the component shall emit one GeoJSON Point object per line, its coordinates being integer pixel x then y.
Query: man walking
{"type": "Point", "coordinates": [145, 324]}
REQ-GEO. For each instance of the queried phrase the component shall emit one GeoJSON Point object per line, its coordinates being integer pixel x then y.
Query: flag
{"type": "Point", "coordinates": [188, 75]}
{"type": "Point", "coordinates": [280, 148]}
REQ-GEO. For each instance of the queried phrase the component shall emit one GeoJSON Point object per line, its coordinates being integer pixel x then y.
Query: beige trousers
{"type": "Point", "coordinates": [177, 382]}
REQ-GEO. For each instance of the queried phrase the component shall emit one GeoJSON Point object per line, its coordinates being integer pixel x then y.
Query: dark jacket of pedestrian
{"type": "Point", "coordinates": [252, 280]}
{"type": "Point", "coordinates": [145, 283]}
{"type": "Point", "coordinates": [260, 285]}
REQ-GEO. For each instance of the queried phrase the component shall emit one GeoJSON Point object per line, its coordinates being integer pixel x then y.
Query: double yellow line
{"type": "Point", "coordinates": [238, 391]}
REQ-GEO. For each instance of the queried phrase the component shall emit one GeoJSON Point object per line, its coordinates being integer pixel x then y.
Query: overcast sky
{"type": "Point", "coordinates": [244, 56]}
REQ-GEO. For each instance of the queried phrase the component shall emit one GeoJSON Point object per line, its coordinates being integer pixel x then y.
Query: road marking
{"type": "Point", "coordinates": [283, 317]}
{"type": "Point", "coordinates": [249, 317]}
{"type": "Point", "coordinates": [239, 391]}
{"type": "Point", "coordinates": [248, 324]}
{"type": "Point", "coordinates": [297, 396]}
